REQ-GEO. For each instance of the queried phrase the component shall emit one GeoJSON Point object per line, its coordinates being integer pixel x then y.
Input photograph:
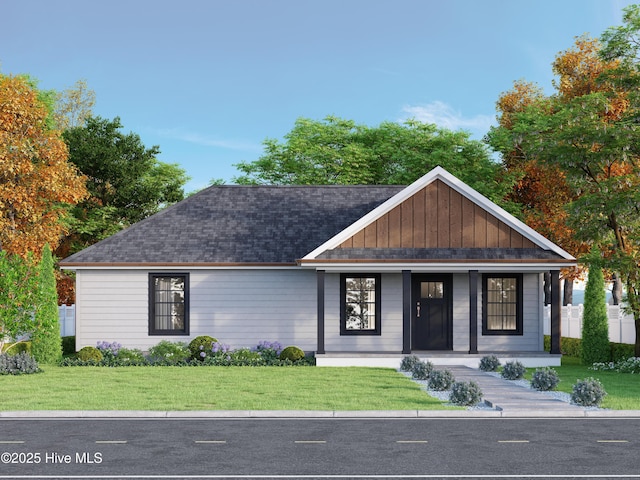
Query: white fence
{"type": "Point", "coordinates": [67, 320]}
{"type": "Point", "coordinates": [621, 326]}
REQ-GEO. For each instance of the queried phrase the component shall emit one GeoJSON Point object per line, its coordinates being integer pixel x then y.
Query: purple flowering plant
{"type": "Point", "coordinates": [268, 350]}
{"type": "Point", "coordinates": [109, 348]}
{"type": "Point", "coordinates": [220, 349]}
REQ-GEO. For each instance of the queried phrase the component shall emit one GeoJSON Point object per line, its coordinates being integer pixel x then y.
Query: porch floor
{"type": "Point", "coordinates": [438, 357]}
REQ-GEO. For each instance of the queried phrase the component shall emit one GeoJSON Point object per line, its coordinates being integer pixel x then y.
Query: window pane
{"type": "Point", "coordinates": [169, 303]}
{"type": "Point", "coordinates": [502, 302]}
{"type": "Point", "coordinates": [431, 290]}
{"type": "Point", "coordinates": [360, 303]}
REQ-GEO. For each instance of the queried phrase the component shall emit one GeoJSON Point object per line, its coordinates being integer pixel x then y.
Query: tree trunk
{"type": "Point", "coordinates": [636, 317]}
{"type": "Point", "coordinates": [567, 297]}
{"type": "Point", "coordinates": [634, 306]}
{"type": "Point", "coordinates": [616, 291]}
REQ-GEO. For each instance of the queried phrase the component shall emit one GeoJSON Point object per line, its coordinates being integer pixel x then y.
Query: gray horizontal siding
{"type": "Point", "coordinates": [243, 307]}
{"type": "Point", "coordinates": [238, 307]}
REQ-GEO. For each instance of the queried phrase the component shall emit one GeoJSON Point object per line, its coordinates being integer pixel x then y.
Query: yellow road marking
{"type": "Point", "coordinates": [613, 441]}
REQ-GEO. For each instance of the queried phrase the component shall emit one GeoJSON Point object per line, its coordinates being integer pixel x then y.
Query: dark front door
{"type": "Point", "coordinates": [431, 312]}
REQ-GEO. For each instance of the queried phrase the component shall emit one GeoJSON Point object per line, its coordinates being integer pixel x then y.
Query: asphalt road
{"type": "Point", "coordinates": [320, 448]}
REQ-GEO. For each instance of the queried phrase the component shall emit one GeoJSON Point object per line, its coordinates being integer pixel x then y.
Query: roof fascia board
{"type": "Point", "coordinates": [437, 267]}
{"type": "Point", "coordinates": [439, 173]}
{"type": "Point", "coordinates": [176, 267]}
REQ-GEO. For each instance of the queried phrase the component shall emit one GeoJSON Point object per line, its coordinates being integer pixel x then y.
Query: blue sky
{"type": "Point", "coordinates": [209, 80]}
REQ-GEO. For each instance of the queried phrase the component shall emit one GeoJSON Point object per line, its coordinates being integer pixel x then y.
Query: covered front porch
{"type": "Point", "coordinates": [452, 353]}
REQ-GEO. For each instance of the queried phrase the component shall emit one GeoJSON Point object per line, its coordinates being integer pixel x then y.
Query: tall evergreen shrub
{"type": "Point", "coordinates": [595, 323]}
{"type": "Point", "coordinates": [46, 343]}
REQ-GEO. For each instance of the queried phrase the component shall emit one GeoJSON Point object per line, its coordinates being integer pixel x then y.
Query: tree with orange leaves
{"type": "Point", "coordinates": [587, 138]}
{"type": "Point", "coordinates": [541, 189]}
{"type": "Point", "coordinates": [37, 183]}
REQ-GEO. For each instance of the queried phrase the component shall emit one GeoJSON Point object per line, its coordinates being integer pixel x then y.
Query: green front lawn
{"type": "Point", "coordinates": [255, 388]}
{"type": "Point", "coordinates": [213, 388]}
{"type": "Point", "coordinates": [623, 389]}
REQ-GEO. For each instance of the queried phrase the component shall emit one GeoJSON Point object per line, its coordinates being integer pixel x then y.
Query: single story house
{"type": "Point", "coordinates": [359, 275]}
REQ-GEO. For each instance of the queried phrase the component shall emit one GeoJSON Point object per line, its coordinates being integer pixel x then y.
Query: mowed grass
{"type": "Point", "coordinates": [213, 388]}
{"type": "Point", "coordinates": [623, 389]}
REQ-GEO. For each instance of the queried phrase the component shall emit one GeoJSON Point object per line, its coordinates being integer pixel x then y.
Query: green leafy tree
{"type": "Point", "coordinates": [590, 132]}
{"type": "Point", "coordinates": [126, 182]}
{"type": "Point", "coordinates": [46, 343]}
{"type": "Point", "coordinates": [595, 320]}
{"type": "Point", "coordinates": [17, 296]}
{"type": "Point", "coordinates": [338, 151]}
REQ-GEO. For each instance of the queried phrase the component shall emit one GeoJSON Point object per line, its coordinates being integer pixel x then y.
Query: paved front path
{"type": "Point", "coordinates": [515, 399]}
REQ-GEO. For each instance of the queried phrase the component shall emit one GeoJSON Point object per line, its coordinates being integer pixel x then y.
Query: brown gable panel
{"type": "Point", "coordinates": [437, 217]}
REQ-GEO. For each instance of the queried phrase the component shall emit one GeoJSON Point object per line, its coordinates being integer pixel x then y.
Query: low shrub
{"type": "Point", "coordinates": [588, 393]}
{"type": "Point", "coordinates": [200, 347]}
{"type": "Point", "coordinates": [292, 353]}
{"type": "Point", "coordinates": [89, 354]}
{"type": "Point", "coordinates": [489, 363]}
{"type": "Point", "coordinates": [441, 380]}
{"type": "Point", "coordinates": [220, 349]}
{"type": "Point", "coordinates": [109, 347]}
{"type": "Point", "coordinates": [572, 347]}
{"type": "Point", "coordinates": [422, 370]}
{"type": "Point", "coordinates": [169, 353]}
{"type": "Point", "coordinates": [269, 351]}
{"type": "Point", "coordinates": [465, 394]}
{"type": "Point", "coordinates": [513, 370]}
{"type": "Point", "coordinates": [622, 351]}
{"type": "Point", "coordinates": [109, 350]}
{"type": "Point", "coordinates": [630, 365]}
{"type": "Point", "coordinates": [19, 364]}
{"type": "Point", "coordinates": [407, 363]}
{"type": "Point", "coordinates": [545, 379]}
{"type": "Point", "coordinates": [245, 356]}
{"type": "Point", "coordinates": [68, 345]}
{"type": "Point", "coordinates": [129, 357]}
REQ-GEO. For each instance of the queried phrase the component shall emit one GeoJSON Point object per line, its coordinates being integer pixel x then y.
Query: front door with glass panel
{"type": "Point", "coordinates": [432, 312]}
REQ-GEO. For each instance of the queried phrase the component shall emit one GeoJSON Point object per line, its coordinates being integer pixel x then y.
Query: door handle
{"type": "Point", "coordinates": [418, 309]}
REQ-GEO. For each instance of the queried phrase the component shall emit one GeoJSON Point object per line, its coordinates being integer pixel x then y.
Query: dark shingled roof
{"type": "Point", "coordinates": [240, 224]}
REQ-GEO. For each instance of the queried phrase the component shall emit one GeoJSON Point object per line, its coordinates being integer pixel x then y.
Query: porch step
{"type": "Point", "coordinates": [392, 360]}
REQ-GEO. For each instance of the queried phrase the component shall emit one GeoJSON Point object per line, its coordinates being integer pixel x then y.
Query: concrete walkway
{"type": "Point", "coordinates": [513, 399]}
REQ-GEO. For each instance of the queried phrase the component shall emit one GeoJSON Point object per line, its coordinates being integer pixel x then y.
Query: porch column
{"type": "Point", "coordinates": [473, 311]}
{"type": "Point", "coordinates": [320, 282]}
{"type": "Point", "coordinates": [556, 324]}
{"type": "Point", "coordinates": [406, 311]}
